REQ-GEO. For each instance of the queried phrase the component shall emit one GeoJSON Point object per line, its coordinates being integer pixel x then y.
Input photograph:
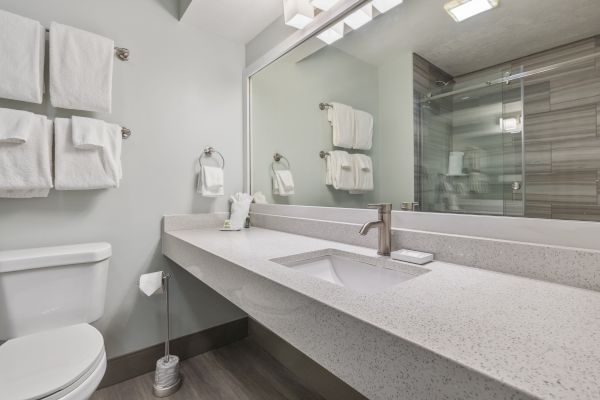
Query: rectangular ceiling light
{"type": "Point", "coordinates": [298, 13]}
{"type": "Point", "coordinates": [360, 17]}
{"type": "Point", "coordinates": [323, 4]}
{"type": "Point", "coordinates": [336, 32]}
{"type": "Point", "coordinates": [460, 10]}
{"type": "Point", "coordinates": [385, 5]}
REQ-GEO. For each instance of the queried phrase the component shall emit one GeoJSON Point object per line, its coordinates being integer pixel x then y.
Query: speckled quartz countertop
{"type": "Point", "coordinates": [538, 337]}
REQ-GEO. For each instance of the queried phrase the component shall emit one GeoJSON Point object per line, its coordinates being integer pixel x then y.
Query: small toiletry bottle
{"type": "Point", "coordinates": [247, 223]}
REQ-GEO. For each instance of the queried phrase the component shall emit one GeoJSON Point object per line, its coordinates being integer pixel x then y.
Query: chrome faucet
{"type": "Point", "coordinates": [384, 223]}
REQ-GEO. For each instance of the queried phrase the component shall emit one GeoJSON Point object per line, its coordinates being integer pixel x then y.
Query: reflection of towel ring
{"type": "Point", "coordinates": [277, 158]}
{"type": "Point", "coordinates": [208, 152]}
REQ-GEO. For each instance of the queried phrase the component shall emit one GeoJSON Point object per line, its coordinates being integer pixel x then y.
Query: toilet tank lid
{"type": "Point", "coordinates": [41, 257]}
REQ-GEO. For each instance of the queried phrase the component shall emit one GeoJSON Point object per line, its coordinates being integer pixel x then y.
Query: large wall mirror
{"type": "Point", "coordinates": [428, 107]}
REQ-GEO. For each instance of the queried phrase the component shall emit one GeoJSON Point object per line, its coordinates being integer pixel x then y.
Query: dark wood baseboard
{"type": "Point", "coordinates": [130, 365]}
{"type": "Point", "coordinates": [308, 372]}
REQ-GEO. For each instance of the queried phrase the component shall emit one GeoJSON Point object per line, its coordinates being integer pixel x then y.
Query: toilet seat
{"type": "Point", "coordinates": [51, 364]}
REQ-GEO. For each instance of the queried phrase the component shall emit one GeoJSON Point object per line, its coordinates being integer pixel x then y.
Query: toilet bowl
{"type": "Point", "coordinates": [51, 294]}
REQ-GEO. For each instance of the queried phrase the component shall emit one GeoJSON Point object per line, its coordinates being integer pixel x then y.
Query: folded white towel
{"type": "Point", "coordinates": [89, 133]}
{"type": "Point", "coordinates": [26, 168]}
{"type": "Point", "coordinates": [363, 173]}
{"type": "Point", "coordinates": [15, 125]}
{"type": "Point", "coordinates": [342, 171]}
{"type": "Point", "coordinates": [22, 43]}
{"type": "Point", "coordinates": [210, 181]}
{"type": "Point", "coordinates": [81, 68]}
{"type": "Point", "coordinates": [283, 183]}
{"type": "Point", "coordinates": [341, 117]}
{"type": "Point", "coordinates": [363, 130]}
{"type": "Point", "coordinates": [86, 168]}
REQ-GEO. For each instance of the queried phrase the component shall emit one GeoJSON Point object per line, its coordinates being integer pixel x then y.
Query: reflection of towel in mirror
{"type": "Point", "coordinates": [363, 173]}
{"type": "Point", "coordinates": [363, 130]}
{"type": "Point", "coordinates": [341, 118]}
{"type": "Point", "coordinates": [340, 170]}
{"type": "Point", "coordinates": [283, 183]}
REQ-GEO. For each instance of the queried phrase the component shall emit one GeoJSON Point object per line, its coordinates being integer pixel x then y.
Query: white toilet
{"type": "Point", "coordinates": [48, 297]}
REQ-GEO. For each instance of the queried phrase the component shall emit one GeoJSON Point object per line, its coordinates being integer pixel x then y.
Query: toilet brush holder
{"type": "Point", "coordinates": [167, 379]}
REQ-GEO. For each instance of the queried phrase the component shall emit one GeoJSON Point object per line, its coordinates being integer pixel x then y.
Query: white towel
{"type": "Point", "coordinates": [283, 183]}
{"type": "Point", "coordinates": [342, 171]}
{"type": "Point", "coordinates": [26, 168]}
{"type": "Point", "coordinates": [210, 181]}
{"type": "Point", "coordinates": [363, 130]}
{"type": "Point", "coordinates": [81, 68]}
{"type": "Point", "coordinates": [363, 173]}
{"type": "Point", "coordinates": [341, 118]}
{"type": "Point", "coordinates": [15, 125]}
{"type": "Point", "coordinates": [22, 43]}
{"type": "Point", "coordinates": [89, 133]}
{"type": "Point", "coordinates": [86, 168]}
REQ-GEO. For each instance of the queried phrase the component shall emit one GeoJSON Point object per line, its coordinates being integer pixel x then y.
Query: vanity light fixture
{"type": "Point", "coordinates": [323, 5]}
{"type": "Point", "coordinates": [460, 10]}
{"type": "Point", "coordinates": [298, 13]}
{"type": "Point", "coordinates": [332, 34]}
{"type": "Point", "coordinates": [385, 5]}
{"type": "Point", "coordinates": [360, 17]}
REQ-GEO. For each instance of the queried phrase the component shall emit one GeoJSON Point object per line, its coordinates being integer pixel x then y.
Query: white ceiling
{"type": "Point", "coordinates": [515, 29]}
{"type": "Point", "coordinates": [236, 20]}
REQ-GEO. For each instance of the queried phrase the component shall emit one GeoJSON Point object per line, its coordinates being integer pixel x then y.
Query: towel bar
{"type": "Point", "coordinates": [125, 133]}
{"type": "Point", "coordinates": [323, 106]}
{"type": "Point", "coordinates": [121, 52]}
{"type": "Point", "coordinates": [323, 154]}
{"type": "Point", "coordinates": [208, 152]}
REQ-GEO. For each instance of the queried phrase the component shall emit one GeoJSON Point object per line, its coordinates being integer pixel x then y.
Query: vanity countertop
{"type": "Point", "coordinates": [541, 338]}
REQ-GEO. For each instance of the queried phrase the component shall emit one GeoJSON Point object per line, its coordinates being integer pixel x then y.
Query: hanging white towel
{"type": "Point", "coordinates": [86, 167]}
{"type": "Point", "coordinates": [342, 174]}
{"type": "Point", "coordinates": [15, 125]}
{"type": "Point", "coordinates": [283, 183]}
{"type": "Point", "coordinates": [341, 118]}
{"type": "Point", "coordinates": [81, 68]}
{"type": "Point", "coordinates": [26, 167]}
{"type": "Point", "coordinates": [210, 181]}
{"type": "Point", "coordinates": [363, 173]}
{"type": "Point", "coordinates": [22, 43]}
{"type": "Point", "coordinates": [363, 130]}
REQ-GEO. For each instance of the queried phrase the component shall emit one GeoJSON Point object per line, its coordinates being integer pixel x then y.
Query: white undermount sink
{"type": "Point", "coordinates": [362, 274]}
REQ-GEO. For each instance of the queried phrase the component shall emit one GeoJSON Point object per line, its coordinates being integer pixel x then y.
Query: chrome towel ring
{"type": "Point", "coordinates": [208, 152]}
{"type": "Point", "coordinates": [277, 159]}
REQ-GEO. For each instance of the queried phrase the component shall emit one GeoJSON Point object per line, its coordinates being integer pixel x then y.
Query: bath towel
{"type": "Point", "coordinates": [341, 118]}
{"type": "Point", "coordinates": [363, 130]}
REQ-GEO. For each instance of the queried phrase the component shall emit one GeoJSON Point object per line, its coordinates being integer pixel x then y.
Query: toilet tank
{"type": "Point", "coordinates": [50, 287]}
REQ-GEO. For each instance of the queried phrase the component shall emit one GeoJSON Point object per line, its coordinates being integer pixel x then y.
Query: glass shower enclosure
{"type": "Point", "coordinates": [469, 149]}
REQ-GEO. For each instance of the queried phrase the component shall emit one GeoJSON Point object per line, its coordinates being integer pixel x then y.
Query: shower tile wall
{"type": "Point", "coordinates": [562, 132]}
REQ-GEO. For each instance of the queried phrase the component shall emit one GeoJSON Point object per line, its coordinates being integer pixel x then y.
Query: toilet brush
{"type": "Point", "coordinates": [167, 379]}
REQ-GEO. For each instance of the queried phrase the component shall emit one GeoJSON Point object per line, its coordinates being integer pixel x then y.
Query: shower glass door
{"type": "Point", "coordinates": [470, 157]}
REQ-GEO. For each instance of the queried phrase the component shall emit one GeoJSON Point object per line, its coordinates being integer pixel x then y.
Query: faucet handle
{"type": "Point", "coordinates": [382, 207]}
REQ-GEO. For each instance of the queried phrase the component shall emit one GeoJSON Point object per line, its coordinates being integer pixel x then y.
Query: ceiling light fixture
{"type": "Point", "coordinates": [360, 17]}
{"type": "Point", "coordinates": [460, 10]}
{"type": "Point", "coordinates": [332, 34]}
{"type": "Point", "coordinates": [385, 5]}
{"type": "Point", "coordinates": [298, 13]}
{"type": "Point", "coordinates": [323, 4]}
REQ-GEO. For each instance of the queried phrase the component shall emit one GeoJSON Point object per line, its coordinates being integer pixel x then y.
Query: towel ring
{"type": "Point", "coordinates": [208, 152]}
{"type": "Point", "coordinates": [277, 158]}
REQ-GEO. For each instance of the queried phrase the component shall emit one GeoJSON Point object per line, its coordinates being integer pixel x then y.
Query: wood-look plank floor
{"type": "Point", "coordinates": [241, 370]}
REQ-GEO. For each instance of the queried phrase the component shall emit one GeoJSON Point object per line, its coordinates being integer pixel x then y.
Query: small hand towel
{"type": "Point", "coordinates": [342, 170]}
{"type": "Point", "coordinates": [363, 173]}
{"type": "Point", "coordinates": [283, 183]}
{"type": "Point", "coordinates": [341, 118]}
{"type": "Point", "coordinates": [26, 168]}
{"type": "Point", "coordinates": [86, 168]}
{"type": "Point", "coordinates": [81, 68]}
{"type": "Point", "coordinates": [210, 181]}
{"type": "Point", "coordinates": [22, 44]}
{"type": "Point", "coordinates": [15, 125]}
{"type": "Point", "coordinates": [363, 130]}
